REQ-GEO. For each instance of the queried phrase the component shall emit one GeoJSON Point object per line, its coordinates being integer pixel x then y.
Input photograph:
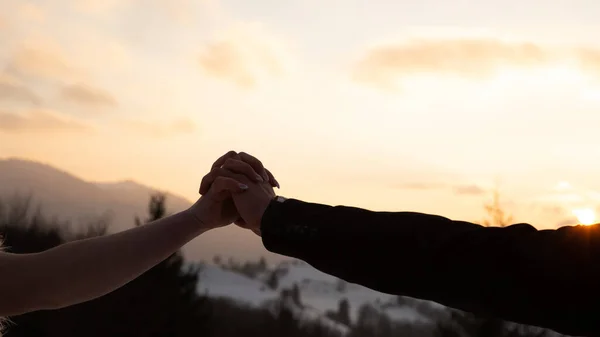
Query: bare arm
{"type": "Point", "coordinates": [83, 270]}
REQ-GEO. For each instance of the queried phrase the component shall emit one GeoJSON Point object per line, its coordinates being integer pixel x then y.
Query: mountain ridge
{"type": "Point", "coordinates": [71, 198]}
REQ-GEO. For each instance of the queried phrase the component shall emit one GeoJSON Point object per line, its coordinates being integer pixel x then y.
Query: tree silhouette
{"type": "Point", "coordinates": [496, 215]}
{"type": "Point", "coordinates": [295, 293]}
{"type": "Point", "coordinates": [273, 280]}
{"type": "Point", "coordinates": [262, 264]}
{"type": "Point", "coordinates": [344, 311]}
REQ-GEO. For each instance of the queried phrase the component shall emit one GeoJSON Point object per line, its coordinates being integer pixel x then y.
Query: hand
{"type": "Point", "coordinates": [252, 204]}
{"type": "Point", "coordinates": [241, 163]}
{"type": "Point", "coordinates": [215, 208]}
{"type": "Point", "coordinates": [244, 167]}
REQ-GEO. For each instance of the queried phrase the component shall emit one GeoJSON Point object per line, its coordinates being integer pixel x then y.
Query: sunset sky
{"type": "Point", "coordinates": [395, 105]}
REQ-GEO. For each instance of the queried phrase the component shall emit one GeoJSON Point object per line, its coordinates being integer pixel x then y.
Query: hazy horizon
{"type": "Point", "coordinates": [415, 105]}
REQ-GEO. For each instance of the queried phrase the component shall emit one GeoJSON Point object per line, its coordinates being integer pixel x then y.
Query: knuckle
{"type": "Point", "coordinates": [230, 162]}
{"type": "Point", "coordinates": [220, 181]}
{"type": "Point", "coordinates": [249, 156]}
{"type": "Point", "coordinates": [217, 173]}
{"type": "Point", "coordinates": [205, 179]}
{"type": "Point", "coordinates": [231, 153]}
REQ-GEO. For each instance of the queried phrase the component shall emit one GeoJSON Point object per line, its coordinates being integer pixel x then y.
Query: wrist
{"type": "Point", "coordinates": [197, 220]}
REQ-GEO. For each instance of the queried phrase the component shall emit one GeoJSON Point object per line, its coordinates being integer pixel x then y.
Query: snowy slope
{"type": "Point", "coordinates": [306, 314]}
{"type": "Point", "coordinates": [319, 293]}
{"type": "Point", "coordinates": [320, 290]}
{"type": "Point", "coordinates": [216, 282]}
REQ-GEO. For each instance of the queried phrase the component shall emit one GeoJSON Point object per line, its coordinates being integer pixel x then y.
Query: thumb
{"type": "Point", "coordinates": [223, 187]}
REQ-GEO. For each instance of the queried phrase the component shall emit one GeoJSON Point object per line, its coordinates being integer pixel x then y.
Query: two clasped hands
{"type": "Point", "coordinates": [238, 189]}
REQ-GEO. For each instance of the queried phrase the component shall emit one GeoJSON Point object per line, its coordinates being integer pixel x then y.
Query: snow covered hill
{"type": "Point", "coordinates": [217, 282]}
{"type": "Point", "coordinates": [319, 293]}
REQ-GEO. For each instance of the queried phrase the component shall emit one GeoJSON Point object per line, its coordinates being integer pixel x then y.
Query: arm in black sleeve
{"type": "Point", "coordinates": [547, 278]}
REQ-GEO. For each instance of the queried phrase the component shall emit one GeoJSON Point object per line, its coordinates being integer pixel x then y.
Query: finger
{"type": "Point", "coordinates": [238, 166]}
{"type": "Point", "coordinates": [240, 222]}
{"type": "Point", "coordinates": [272, 179]}
{"type": "Point", "coordinates": [210, 178]}
{"type": "Point", "coordinates": [255, 163]}
{"type": "Point", "coordinates": [223, 187]}
{"type": "Point", "coordinates": [219, 162]}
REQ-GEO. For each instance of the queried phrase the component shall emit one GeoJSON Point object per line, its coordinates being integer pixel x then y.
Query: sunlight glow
{"type": "Point", "coordinates": [585, 216]}
{"type": "Point", "coordinates": [545, 76]}
{"type": "Point", "coordinates": [591, 95]}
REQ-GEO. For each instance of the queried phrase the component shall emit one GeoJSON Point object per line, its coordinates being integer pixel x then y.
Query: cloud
{"type": "Point", "coordinates": [567, 195]}
{"type": "Point", "coordinates": [563, 186]}
{"type": "Point", "coordinates": [186, 11]}
{"type": "Point", "coordinates": [41, 62]}
{"type": "Point", "coordinates": [99, 6]}
{"type": "Point", "coordinates": [464, 57]}
{"type": "Point", "coordinates": [468, 190]}
{"type": "Point", "coordinates": [31, 13]}
{"type": "Point", "coordinates": [43, 55]}
{"type": "Point", "coordinates": [456, 189]}
{"type": "Point", "coordinates": [589, 59]}
{"type": "Point", "coordinates": [562, 200]}
{"type": "Point", "coordinates": [243, 55]}
{"type": "Point", "coordinates": [479, 57]}
{"type": "Point", "coordinates": [553, 210]}
{"type": "Point", "coordinates": [567, 222]}
{"type": "Point", "coordinates": [14, 90]}
{"type": "Point", "coordinates": [85, 94]}
{"type": "Point", "coordinates": [38, 121]}
{"type": "Point", "coordinates": [224, 60]}
{"type": "Point", "coordinates": [158, 129]}
{"type": "Point", "coordinates": [178, 12]}
{"type": "Point", "coordinates": [420, 186]}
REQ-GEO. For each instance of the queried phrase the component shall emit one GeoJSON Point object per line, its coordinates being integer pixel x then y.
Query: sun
{"type": "Point", "coordinates": [585, 216]}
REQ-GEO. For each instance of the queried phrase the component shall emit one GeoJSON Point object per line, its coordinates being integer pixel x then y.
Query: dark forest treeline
{"type": "Point", "coordinates": [164, 300]}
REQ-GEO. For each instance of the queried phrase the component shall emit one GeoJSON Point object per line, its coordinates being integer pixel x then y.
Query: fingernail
{"type": "Point", "coordinates": [259, 178]}
{"type": "Point", "coordinates": [244, 186]}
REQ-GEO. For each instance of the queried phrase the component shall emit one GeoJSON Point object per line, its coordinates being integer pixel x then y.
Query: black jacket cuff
{"type": "Point", "coordinates": [284, 235]}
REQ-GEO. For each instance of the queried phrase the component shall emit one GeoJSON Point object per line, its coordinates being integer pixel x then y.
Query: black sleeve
{"type": "Point", "coordinates": [546, 278]}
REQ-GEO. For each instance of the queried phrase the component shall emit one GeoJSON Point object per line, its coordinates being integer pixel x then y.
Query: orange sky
{"type": "Point", "coordinates": [412, 105]}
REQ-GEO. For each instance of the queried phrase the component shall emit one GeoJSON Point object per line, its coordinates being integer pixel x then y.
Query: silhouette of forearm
{"type": "Point", "coordinates": [83, 270]}
{"type": "Point", "coordinates": [547, 278]}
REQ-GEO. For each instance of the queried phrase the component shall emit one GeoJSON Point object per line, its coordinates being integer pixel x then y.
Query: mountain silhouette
{"type": "Point", "coordinates": [63, 195]}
